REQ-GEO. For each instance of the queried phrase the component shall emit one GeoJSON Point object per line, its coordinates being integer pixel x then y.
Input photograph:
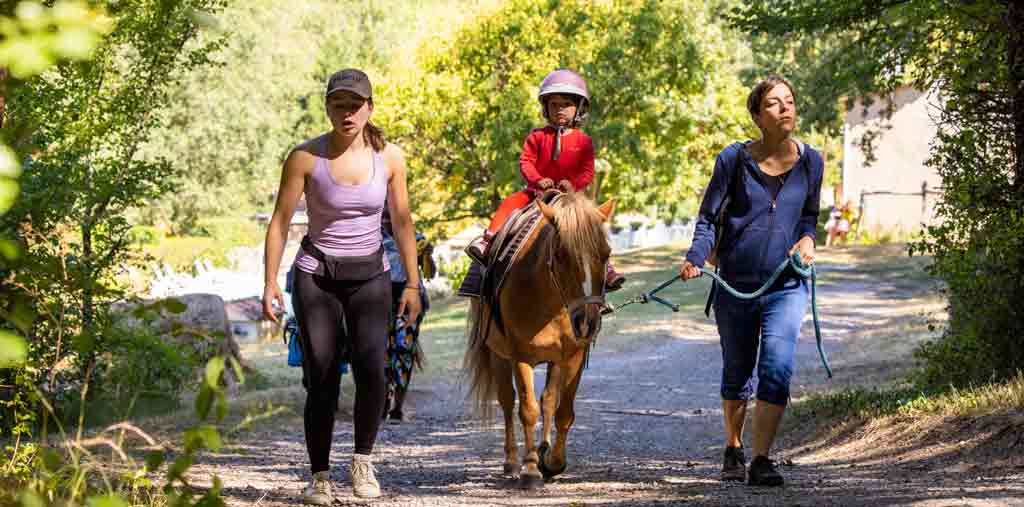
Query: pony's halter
{"type": "Point", "coordinates": [573, 305]}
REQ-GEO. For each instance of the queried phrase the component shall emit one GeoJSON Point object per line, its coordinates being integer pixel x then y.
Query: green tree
{"type": "Point", "coordinates": [665, 100]}
{"type": "Point", "coordinates": [33, 38]}
{"type": "Point", "coordinates": [82, 124]}
{"type": "Point", "coordinates": [971, 56]}
{"type": "Point", "coordinates": [230, 125]}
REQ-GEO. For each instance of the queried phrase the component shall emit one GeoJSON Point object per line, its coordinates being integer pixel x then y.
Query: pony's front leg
{"type": "Point", "coordinates": [507, 399]}
{"type": "Point", "coordinates": [529, 410]}
{"type": "Point", "coordinates": [549, 402]}
{"type": "Point", "coordinates": [554, 462]}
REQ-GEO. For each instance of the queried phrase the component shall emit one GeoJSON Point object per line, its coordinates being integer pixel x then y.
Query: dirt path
{"type": "Point", "coordinates": [647, 433]}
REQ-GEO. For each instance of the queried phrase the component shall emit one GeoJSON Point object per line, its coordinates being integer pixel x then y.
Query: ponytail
{"type": "Point", "coordinates": [373, 136]}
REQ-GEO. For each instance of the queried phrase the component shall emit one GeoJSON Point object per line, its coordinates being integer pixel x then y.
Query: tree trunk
{"type": "Point", "coordinates": [3, 95]}
{"type": "Point", "coordinates": [88, 308]}
{"type": "Point", "coordinates": [1015, 48]}
{"type": "Point", "coordinates": [1015, 61]}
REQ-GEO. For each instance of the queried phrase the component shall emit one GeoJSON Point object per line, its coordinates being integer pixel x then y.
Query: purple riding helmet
{"type": "Point", "coordinates": [566, 82]}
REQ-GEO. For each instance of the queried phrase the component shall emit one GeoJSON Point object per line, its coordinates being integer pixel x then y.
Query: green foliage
{"type": "Point", "coordinates": [457, 271]}
{"type": "Point", "coordinates": [72, 473]}
{"type": "Point", "coordinates": [37, 37]}
{"type": "Point", "coordinates": [214, 240]}
{"type": "Point", "coordinates": [77, 129]}
{"type": "Point", "coordinates": [83, 171]}
{"type": "Point", "coordinates": [137, 363]}
{"type": "Point", "coordinates": [656, 125]}
{"type": "Point", "coordinates": [34, 37]}
{"type": "Point", "coordinates": [970, 55]}
{"type": "Point", "coordinates": [979, 251]}
{"type": "Point", "coordinates": [12, 349]}
{"type": "Point", "coordinates": [230, 125]}
{"type": "Point", "coordinates": [906, 401]}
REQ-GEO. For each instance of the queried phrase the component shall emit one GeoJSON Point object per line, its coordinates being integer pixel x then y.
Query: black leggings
{"type": "Point", "coordinates": [320, 305]}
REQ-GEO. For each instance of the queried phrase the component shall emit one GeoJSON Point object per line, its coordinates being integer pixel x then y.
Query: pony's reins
{"type": "Point", "coordinates": [794, 261]}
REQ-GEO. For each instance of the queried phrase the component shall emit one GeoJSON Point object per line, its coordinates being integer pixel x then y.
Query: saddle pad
{"type": "Point", "coordinates": [503, 249]}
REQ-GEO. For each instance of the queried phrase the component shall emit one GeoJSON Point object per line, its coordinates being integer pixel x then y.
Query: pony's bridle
{"type": "Point", "coordinates": [575, 304]}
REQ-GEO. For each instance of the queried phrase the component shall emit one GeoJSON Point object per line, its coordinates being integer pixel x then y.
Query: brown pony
{"type": "Point", "coordinates": [551, 313]}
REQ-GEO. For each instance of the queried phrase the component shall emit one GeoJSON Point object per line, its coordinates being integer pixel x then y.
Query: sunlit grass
{"type": "Point", "coordinates": [903, 400]}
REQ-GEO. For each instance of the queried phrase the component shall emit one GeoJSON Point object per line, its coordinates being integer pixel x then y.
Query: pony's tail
{"type": "Point", "coordinates": [481, 367]}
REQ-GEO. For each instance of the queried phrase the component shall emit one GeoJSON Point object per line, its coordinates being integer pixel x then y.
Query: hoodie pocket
{"type": "Point", "coordinates": [741, 261]}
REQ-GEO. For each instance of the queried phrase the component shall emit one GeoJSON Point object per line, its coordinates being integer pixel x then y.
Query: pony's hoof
{"type": "Point", "coordinates": [531, 482]}
{"type": "Point", "coordinates": [548, 473]}
{"type": "Point", "coordinates": [511, 469]}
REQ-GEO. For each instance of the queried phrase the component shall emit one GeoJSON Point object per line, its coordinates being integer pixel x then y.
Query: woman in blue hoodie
{"type": "Point", "coordinates": [761, 206]}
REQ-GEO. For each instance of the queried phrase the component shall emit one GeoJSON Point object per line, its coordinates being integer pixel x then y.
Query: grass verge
{"type": "Point", "coordinates": [903, 400]}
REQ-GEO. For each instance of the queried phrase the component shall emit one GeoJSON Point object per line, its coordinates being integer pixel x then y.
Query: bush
{"type": "Point", "coordinates": [457, 270]}
{"type": "Point", "coordinates": [62, 469]}
{"type": "Point", "coordinates": [137, 363]}
{"type": "Point", "coordinates": [145, 235]}
{"type": "Point", "coordinates": [978, 251]}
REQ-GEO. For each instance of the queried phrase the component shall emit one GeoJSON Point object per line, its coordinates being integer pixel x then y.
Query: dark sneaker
{"type": "Point", "coordinates": [734, 466]}
{"type": "Point", "coordinates": [397, 417]}
{"type": "Point", "coordinates": [763, 473]}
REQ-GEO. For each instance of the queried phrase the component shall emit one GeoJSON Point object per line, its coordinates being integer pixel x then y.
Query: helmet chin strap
{"type": "Point", "coordinates": [558, 143]}
{"type": "Point", "coordinates": [561, 130]}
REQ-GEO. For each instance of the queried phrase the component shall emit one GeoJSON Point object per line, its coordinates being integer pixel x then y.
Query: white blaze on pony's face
{"type": "Point", "coordinates": [587, 279]}
{"type": "Point", "coordinates": [579, 258]}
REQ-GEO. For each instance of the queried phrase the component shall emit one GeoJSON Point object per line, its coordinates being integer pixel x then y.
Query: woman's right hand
{"type": "Point", "coordinates": [271, 294]}
{"type": "Point", "coordinates": [688, 271]}
{"type": "Point", "coordinates": [545, 183]}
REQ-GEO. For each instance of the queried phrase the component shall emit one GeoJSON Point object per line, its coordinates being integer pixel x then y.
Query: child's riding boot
{"type": "Point", "coordinates": [613, 280]}
{"type": "Point", "coordinates": [477, 249]}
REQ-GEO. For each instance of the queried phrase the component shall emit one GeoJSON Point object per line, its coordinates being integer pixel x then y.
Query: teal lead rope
{"type": "Point", "coordinates": [801, 269]}
{"type": "Point", "coordinates": [793, 261]}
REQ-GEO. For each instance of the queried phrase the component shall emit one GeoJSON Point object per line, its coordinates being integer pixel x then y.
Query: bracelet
{"type": "Point", "coordinates": [411, 287]}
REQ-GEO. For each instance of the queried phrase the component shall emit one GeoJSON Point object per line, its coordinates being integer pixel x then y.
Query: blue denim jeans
{"type": "Point", "coordinates": [760, 332]}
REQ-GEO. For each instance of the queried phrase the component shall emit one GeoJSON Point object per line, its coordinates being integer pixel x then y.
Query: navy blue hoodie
{"type": "Point", "coordinates": [758, 232]}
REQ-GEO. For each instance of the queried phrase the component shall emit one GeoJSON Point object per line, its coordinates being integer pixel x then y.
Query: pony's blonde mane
{"type": "Point", "coordinates": [580, 225]}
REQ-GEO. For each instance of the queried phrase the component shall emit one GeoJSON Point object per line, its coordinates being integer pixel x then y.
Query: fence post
{"type": "Point", "coordinates": [924, 200]}
{"type": "Point", "coordinates": [860, 211]}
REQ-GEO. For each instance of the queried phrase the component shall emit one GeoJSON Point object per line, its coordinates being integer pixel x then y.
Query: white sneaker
{"type": "Point", "coordinates": [319, 490]}
{"type": "Point", "coordinates": [364, 482]}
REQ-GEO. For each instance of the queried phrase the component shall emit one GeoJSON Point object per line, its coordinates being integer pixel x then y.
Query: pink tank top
{"type": "Point", "coordinates": [344, 220]}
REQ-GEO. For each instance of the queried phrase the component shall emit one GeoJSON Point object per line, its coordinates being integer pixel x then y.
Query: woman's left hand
{"type": "Point", "coordinates": [806, 248]}
{"type": "Point", "coordinates": [409, 305]}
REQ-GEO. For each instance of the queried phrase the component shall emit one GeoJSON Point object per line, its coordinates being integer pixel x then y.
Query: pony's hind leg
{"type": "Point", "coordinates": [507, 398]}
{"type": "Point", "coordinates": [549, 402]}
{"type": "Point", "coordinates": [529, 410]}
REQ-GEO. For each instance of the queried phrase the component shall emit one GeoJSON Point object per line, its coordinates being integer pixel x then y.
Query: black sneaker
{"type": "Point", "coordinates": [763, 473]}
{"type": "Point", "coordinates": [734, 466]}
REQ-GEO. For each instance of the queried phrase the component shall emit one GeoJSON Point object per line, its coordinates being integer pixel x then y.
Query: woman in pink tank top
{"type": "Point", "coordinates": [341, 279]}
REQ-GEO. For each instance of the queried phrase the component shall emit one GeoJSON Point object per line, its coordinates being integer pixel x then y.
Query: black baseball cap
{"type": "Point", "coordinates": [352, 80]}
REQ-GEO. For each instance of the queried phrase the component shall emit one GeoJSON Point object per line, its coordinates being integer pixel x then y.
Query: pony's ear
{"type": "Point", "coordinates": [546, 210]}
{"type": "Point", "coordinates": [607, 209]}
